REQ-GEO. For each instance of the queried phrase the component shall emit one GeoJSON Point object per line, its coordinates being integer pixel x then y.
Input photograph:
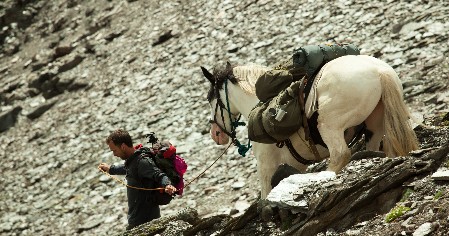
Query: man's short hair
{"type": "Point", "coordinates": [120, 136]}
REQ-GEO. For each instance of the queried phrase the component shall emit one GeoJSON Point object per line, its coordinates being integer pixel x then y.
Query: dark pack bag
{"type": "Point", "coordinates": [256, 131]}
{"type": "Point", "coordinates": [168, 162]}
{"type": "Point", "coordinates": [271, 83]}
{"type": "Point", "coordinates": [162, 198]}
{"type": "Point", "coordinates": [313, 57]}
{"type": "Point", "coordinates": [166, 166]}
{"type": "Point", "coordinates": [278, 119]}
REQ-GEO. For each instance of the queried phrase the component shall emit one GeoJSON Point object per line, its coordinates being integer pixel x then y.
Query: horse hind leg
{"type": "Point", "coordinates": [339, 152]}
{"type": "Point", "coordinates": [375, 126]}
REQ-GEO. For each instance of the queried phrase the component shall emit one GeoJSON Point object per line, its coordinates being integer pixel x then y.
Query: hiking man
{"type": "Point", "coordinates": [141, 173]}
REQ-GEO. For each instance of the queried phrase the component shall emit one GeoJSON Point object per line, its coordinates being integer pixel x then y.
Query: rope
{"type": "Point", "coordinates": [153, 189]}
{"type": "Point", "coordinates": [126, 185]}
{"type": "Point", "coordinates": [198, 176]}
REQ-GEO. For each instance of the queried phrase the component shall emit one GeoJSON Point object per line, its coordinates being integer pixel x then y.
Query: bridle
{"type": "Point", "coordinates": [242, 149]}
{"type": "Point", "coordinates": [222, 107]}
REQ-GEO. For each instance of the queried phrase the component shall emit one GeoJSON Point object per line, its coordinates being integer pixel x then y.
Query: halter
{"type": "Point", "coordinates": [242, 149]}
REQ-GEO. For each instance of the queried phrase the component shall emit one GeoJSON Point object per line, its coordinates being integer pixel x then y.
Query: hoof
{"type": "Point", "coordinates": [267, 214]}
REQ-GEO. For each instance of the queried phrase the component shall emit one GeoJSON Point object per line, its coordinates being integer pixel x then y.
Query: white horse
{"type": "Point", "coordinates": [347, 91]}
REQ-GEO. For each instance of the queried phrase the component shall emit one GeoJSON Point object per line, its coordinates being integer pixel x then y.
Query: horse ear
{"type": "Point", "coordinates": [208, 75]}
{"type": "Point", "coordinates": [228, 66]}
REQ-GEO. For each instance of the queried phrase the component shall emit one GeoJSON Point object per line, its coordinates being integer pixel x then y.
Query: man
{"type": "Point", "coordinates": [141, 173]}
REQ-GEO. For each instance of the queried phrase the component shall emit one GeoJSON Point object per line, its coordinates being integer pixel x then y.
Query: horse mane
{"type": "Point", "coordinates": [247, 76]}
{"type": "Point", "coordinates": [243, 75]}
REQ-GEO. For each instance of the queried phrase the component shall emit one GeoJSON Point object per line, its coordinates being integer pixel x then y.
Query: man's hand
{"type": "Point", "coordinates": [105, 167]}
{"type": "Point", "coordinates": [170, 189]}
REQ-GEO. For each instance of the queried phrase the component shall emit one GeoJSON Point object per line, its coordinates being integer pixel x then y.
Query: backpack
{"type": "Point", "coordinates": [174, 167]}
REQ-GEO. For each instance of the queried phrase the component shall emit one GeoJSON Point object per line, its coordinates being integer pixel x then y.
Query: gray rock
{"type": "Point", "coordinates": [40, 110]}
{"type": "Point", "coordinates": [290, 192]}
{"type": "Point", "coordinates": [424, 229]}
{"type": "Point", "coordinates": [238, 185]}
{"type": "Point", "coordinates": [8, 118]}
{"type": "Point", "coordinates": [89, 225]}
{"type": "Point", "coordinates": [441, 174]}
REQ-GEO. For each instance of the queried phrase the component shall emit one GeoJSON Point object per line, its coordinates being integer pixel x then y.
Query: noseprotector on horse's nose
{"type": "Point", "coordinates": [220, 137]}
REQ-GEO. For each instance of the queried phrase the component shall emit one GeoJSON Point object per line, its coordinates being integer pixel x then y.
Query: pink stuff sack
{"type": "Point", "coordinates": [181, 168]}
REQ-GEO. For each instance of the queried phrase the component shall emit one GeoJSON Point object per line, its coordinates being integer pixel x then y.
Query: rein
{"type": "Point", "coordinates": [202, 173]}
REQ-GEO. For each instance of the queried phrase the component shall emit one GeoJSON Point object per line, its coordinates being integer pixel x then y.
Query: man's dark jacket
{"type": "Point", "coordinates": [141, 172]}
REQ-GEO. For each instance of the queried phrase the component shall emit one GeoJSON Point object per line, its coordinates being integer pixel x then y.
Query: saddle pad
{"type": "Point", "coordinates": [311, 105]}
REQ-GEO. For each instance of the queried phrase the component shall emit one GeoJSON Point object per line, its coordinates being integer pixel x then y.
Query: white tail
{"type": "Point", "coordinates": [399, 138]}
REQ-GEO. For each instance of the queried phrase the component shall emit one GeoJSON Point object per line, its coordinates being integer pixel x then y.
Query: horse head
{"type": "Point", "coordinates": [223, 112]}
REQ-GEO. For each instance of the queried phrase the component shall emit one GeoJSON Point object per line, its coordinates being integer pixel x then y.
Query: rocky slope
{"type": "Point", "coordinates": [72, 71]}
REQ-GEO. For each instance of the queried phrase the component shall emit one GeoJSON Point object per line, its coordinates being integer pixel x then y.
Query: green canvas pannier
{"type": "Point", "coordinates": [270, 84]}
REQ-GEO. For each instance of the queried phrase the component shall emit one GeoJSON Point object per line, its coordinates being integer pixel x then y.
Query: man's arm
{"type": "Point", "coordinates": [148, 169]}
{"type": "Point", "coordinates": [117, 169]}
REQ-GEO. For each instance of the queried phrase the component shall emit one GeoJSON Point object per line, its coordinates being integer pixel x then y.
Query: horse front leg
{"type": "Point", "coordinates": [265, 172]}
{"type": "Point", "coordinates": [268, 160]}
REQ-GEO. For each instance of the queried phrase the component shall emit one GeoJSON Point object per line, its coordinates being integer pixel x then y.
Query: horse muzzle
{"type": "Point", "coordinates": [217, 134]}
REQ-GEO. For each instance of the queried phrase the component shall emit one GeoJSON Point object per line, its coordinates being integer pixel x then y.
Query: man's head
{"type": "Point", "coordinates": [120, 143]}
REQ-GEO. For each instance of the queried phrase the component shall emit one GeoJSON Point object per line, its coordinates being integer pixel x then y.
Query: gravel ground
{"type": "Point", "coordinates": [72, 71]}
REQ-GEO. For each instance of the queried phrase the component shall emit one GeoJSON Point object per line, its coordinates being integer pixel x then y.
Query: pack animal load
{"type": "Point", "coordinates": [281, 91]}
{"type": "Point", "coordinates": [168, 161]}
